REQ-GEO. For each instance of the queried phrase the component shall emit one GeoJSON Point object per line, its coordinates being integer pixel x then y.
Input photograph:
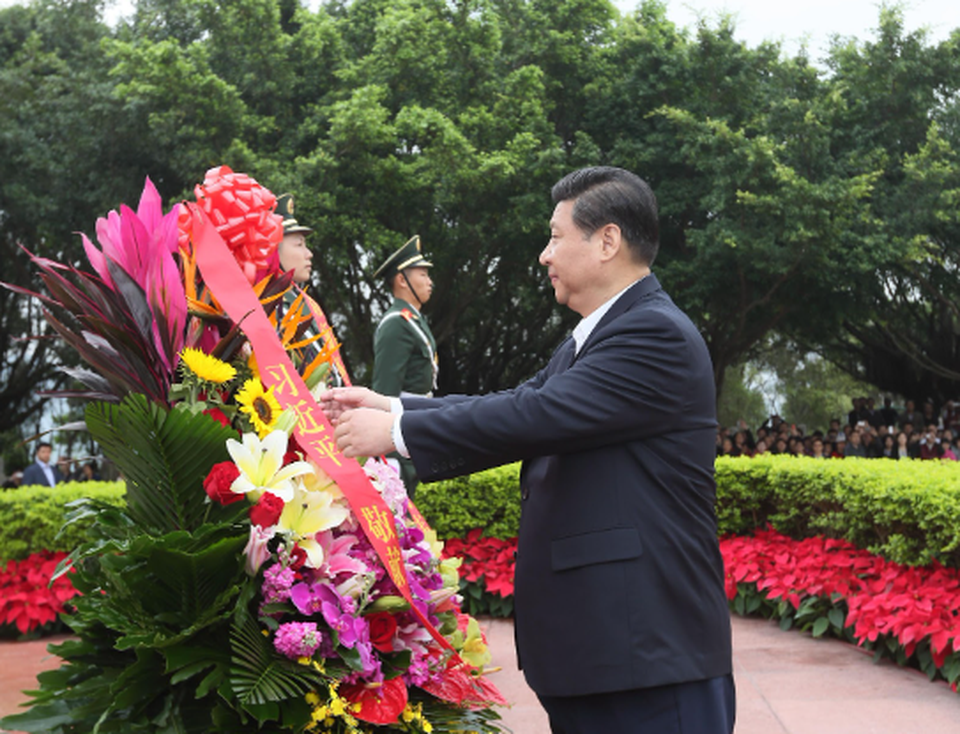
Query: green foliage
{"type": "Point", "coordinates": [740, 399]}
{"type": "Point", "coordinates": [815, 391]}
{"type": "Point", "coordinates": [906, 511]}
{"type": "Point", "coordinates": [489, 499]}
{"type": "Point", "coordinates": [164, 457]}
{"type": "Point", "coordinates": [34, 518]}
{"type": "Point", "coordinates": [821, 206]}
{"type": "Point", "coordinates": [478, 602]}
{"type": "Point", "coordinates": [164, 595]}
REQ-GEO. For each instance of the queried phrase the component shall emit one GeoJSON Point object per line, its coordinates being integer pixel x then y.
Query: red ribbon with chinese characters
{"type": "Point", "coordinates": [314, 432]}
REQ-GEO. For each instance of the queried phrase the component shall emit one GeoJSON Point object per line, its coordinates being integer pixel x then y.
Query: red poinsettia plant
{"type": "Point", "coordinates": [486, 572]}
{"type": "Point", "coordinates": [28, 600]}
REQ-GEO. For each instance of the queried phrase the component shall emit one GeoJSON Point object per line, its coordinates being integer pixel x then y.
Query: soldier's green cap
{"type": "Point", "coordinates": [285, 210]}
{"type": "Point", "coordinates": [408, 256]}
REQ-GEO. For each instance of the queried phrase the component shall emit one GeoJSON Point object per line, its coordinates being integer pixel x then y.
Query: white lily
{"type": "Point", "coordinates": [261, 466]}
{"type": "Point", "coordinates": [308, 513]}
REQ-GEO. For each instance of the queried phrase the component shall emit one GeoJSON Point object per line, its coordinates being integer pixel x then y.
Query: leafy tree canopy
{"type": "Point", "coordinates": [815, 204]}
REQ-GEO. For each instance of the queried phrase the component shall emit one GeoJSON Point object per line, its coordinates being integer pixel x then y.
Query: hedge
{"type": "Point", "coordinates": [905, 511]}
{"type": "Point", "coordinates": [489, 499]}
{"type": "Point", "coordinates": [31, 517]}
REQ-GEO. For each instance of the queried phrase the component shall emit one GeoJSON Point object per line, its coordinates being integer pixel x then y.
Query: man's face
{"type": "Point", "coordinates": [570, 259]}
{"type": "Point", "coordinates": [296, 256]}
{"type": "Point", "coordinates": [43, 454]}
{"type": "Point", "coordinates": [420, 281]}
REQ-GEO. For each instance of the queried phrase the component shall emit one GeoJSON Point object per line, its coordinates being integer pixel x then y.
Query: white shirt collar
{"type": "Point", "coordinates": [586, 326]}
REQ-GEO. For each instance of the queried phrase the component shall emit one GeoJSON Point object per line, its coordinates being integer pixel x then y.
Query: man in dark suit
{"type": "Point", "coordinates": [622, 622]}
{"type": "Point", "coordinates": [41, 471]}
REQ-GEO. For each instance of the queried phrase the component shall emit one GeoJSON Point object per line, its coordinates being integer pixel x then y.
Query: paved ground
{"type": "Point", "coordinates": [787, 683]}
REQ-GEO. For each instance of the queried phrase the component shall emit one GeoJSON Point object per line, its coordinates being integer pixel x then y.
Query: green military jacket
{"type": "Point", "coordinates": [405, 353]}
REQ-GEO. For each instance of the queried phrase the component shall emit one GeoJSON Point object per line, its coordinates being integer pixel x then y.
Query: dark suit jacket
{"type": "Point", "coordinates": [619, 579]}
{"type": "Point", "coordinates": [34, 474]}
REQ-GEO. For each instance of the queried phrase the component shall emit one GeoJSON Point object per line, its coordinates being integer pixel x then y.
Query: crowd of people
{"type": "Point", "coordinates": [869, 432]}
{"type": "Point", "coordinates": [45, 472]}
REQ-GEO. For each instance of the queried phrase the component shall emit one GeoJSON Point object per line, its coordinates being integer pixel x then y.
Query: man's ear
{"type": "Point", "coordinates": [611, 241]}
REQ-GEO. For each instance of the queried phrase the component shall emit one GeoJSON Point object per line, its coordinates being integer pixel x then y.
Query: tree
{"type": "Point", "coordinates": [900, 108]}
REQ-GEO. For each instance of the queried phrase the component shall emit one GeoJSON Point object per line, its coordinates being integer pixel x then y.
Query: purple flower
{"type": "Point", "coordinates": [306, 597]}
{"type": "Point", "coordinates": [338, 611]}
{"type": "Point", "coordinates": [277, 582]}
{"type": "Point", "coordinates": [297, 639]}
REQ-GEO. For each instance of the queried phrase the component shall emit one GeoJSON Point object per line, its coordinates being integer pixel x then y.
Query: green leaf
{"type": "Point", "coordinates": [820, 626]}
{"type": "Point", "coordinates": [42, 718]}
{"type": "Point", "coordinates": [164, 456]}
{"type": "Point", "coordinates": [260, 676]}
{"type": "Point", "coordinates": [837, 618]}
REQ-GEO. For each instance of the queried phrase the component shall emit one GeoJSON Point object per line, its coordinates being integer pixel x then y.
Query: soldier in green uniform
{"type": "Point", "coordinates": [405, 358]}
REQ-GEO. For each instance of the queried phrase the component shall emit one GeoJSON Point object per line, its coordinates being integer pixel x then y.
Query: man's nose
{"type": "Point", "coordinates": [545, 254]}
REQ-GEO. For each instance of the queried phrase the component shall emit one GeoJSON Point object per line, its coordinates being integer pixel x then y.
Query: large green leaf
{"type": "Point", "coordinates": [164, 456]}
{"type": "Point", "coordinates": [259, 675]}
{"type": "Point", "coordinates": [164, 590]}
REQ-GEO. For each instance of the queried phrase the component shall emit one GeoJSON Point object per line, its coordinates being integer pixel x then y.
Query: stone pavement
{"type": "Point", "coordinates": [787, 683]}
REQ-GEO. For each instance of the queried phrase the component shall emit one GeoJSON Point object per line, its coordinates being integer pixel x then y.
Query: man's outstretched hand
{"type": "Point", "coordinates": [364, 432]}
{"type": "Point", "coordinates": [336, 401]}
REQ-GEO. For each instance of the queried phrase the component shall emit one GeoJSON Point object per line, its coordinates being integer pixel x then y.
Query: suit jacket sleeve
{"type": "Point", "coordinates": [640, 375]}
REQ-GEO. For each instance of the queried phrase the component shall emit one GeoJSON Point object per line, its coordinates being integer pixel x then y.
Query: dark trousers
{"type": "Point", "coordinates": [698, 707]}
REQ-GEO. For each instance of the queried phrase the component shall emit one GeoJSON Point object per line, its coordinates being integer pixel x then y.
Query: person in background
{"type": "Point", "coordinates": [947, 450]}
{"type": "Point", "coordinates": [41, 472]}
{"type": "Point", "coordinates": [14, 480]}
{"type": "Point", "coordinates": [296, 257]}
{"type": "Point", "coordinates": [930, 444]}
{"type": "Point", "coordinates": [89, 472]}
{"type": "Point", "coordinates": [405, 359]}
{"type": "Point", "coordinates": [889, 450]}
{"type": "Point", "coordinates": [950, 416]}
{"type": "Point", "coordinates": [64, 465]}
{"type": "Point", "coordinates": [816, 450]}
{"type": "Point", "coordinates": [887, 413]}
{"type": "Point", "coordinates": [854, 448]}
{"type": "Point", "coordinates": [902, 450]}
{"type": "Point", "coordinates": [910, 415]}
{"type": "Point", "coordinates": [871, 444]}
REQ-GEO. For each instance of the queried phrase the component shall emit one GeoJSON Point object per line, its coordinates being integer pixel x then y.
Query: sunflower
{"type": "Point", "coordinates": [207, 368]}
{"type": "Point", "coordinates": [260, 405]}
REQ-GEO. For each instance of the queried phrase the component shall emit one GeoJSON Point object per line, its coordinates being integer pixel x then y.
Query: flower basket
{"type": "Point", "coordinates": [257, 580]}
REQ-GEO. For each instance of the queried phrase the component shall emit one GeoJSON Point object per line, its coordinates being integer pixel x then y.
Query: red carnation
{"type": "Point", "coordinates": [218, 481]}
{"type": "Point", "coordinates": [267, 510]}
{"type": "Point", "coordinates": [383, 627]}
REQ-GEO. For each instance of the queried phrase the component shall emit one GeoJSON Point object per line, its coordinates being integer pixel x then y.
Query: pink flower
{"type": "Point", "coordinates": [143, 244]}
{"type": "Point", "coordinates": [297, 639]}
{"type": "Point", "coordinates": [257, 551]}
